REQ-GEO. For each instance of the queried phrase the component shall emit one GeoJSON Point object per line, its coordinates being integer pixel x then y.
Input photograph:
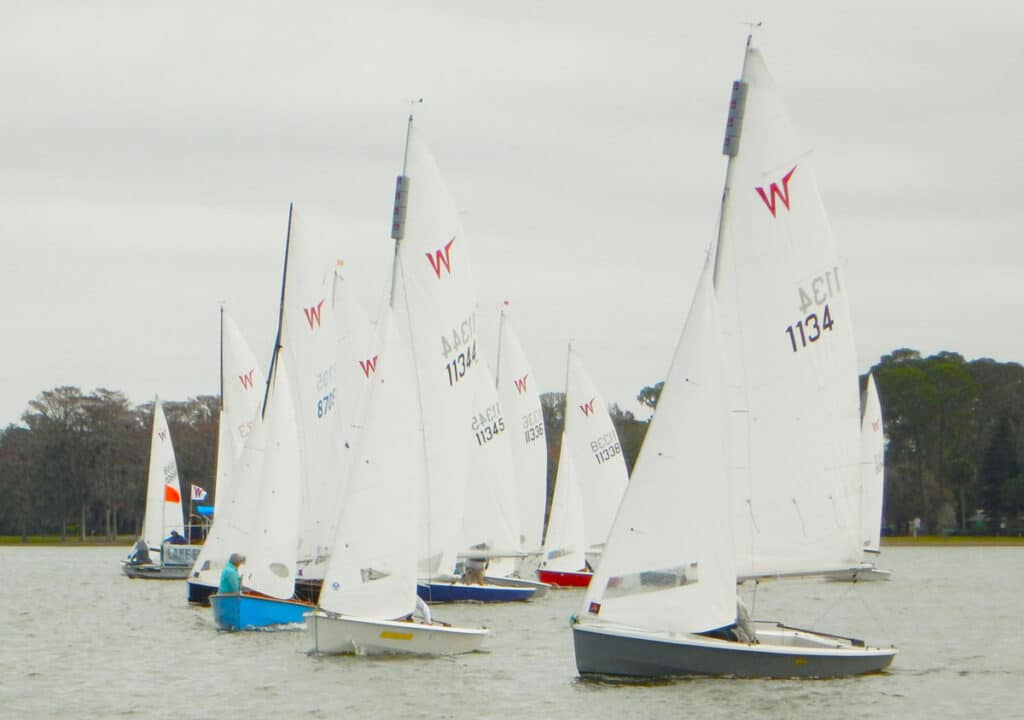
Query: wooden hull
{"type": "Point", "coordinates": [605, 650]}
{"type": "Point", "coordinates": [564, 579]}
{"type": "Point", "coordinates": [252, 612]}
{"type": "Point", "coordinates": [338, 634]}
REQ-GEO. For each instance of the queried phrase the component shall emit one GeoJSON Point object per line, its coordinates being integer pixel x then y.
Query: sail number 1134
{"type": "Point", "coordinates": [810, 329]}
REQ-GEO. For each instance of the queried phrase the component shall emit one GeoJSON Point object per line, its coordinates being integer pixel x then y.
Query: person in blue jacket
{"type": "Point", "coordinates": [230, 578]}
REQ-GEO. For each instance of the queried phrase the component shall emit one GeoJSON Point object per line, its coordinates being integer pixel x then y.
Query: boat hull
{"type": "Point", "coordinates": [252, 612]}
{"type": "Point", "coordinates": [337, 634]}
{"type": "Point", "coordinates": [442, 592]}
{"type": "Point", "coordinates": [199, 594]}
{"type": "Point", "coordinates": [781, 653]}
{"type": "Point", "coordinates": [540, 589]}
{"type": "Point", "coordinates": [155, 572]}
{"type": "Point", "coordinates": [564, 579]}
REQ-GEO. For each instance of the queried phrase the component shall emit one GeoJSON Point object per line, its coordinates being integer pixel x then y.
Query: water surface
{"type": "Point", "coordinates": [79, 639]}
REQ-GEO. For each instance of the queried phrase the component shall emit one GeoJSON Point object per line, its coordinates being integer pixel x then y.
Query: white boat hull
{"type": "Point", "coordinates": [337, 634]}
{"type": "Point", "coordinates": [781, 652]}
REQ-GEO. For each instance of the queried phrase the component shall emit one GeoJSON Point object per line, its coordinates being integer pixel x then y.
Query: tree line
{"type": "Point", "coordinates": [954, 455]}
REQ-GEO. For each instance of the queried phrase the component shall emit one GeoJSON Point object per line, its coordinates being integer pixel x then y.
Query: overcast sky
{"type": "Point", "coordinates": [149, 150]}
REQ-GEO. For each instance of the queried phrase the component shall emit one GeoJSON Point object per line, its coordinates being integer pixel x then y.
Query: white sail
{"type": "Point", "coordinates": [564, 547]}
{"type": "Point", "coordinates": [357, 361]}
{"type": "Point", "coordinates": [520, 398]}
{"type": "Point", "coordinates": [872, 474]}
{"type": "Point", "coordinates": [372, 571]}
{"type": "Point", "coordinates": [308, 340]}
{"type": "Point", "coordinates": [243, 386]}
{"type": "Point", "coordinates": [788, 348]}
{"type": "Point", "coordinates": [668, 563]}
{"type": "Point", "coordinates": [491, 511]}
{"type": "Point", "coordinates": [597, 454]}
{"type": "Point", "coordinates": [270, 557]}
{"type": "Point", "coordinates": [434, 282]}
{"type": "Point", "coordinates": [163, 490]}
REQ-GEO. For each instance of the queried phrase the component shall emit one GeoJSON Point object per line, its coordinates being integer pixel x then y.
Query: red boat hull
{"type": "Point", "coordinates": [564, 579]}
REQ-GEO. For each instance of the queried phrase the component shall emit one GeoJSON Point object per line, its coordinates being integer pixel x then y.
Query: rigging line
{"type": "Point", "coordinates": [399, 276]}
{"type": "Point", "coordinates": [877, 617]}
{"type": "Point", "coordinates": [835, 602]}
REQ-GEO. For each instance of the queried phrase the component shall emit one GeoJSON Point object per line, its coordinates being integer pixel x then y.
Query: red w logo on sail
{"type": "Point", "coordinates": [520, 384]}
{"type": "Point", "coordinates": [248, 379]}
{"type": "Point", "coordinates": [313, 315]}
{"type": "Point", "coordinates": [774, 192]}
{"type": "Point", "coordinates": [368, 366]}
{"type": "Point", "coordinates": [876, 425]}
{"type": "Point", "coordinates": [441, 258]}
{"type": "Point", "coordinates": [162, 435]}
{"type": "Point", "coordinates": [587, 408]}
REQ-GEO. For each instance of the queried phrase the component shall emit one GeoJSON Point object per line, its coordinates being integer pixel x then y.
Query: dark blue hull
{"type": "Point", "coordinates": [441, 592]}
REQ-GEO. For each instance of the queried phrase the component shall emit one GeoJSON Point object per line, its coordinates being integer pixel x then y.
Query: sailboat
{"type": "Point", "coordinates": [490, 540]}
{"type": "Point", "coordinates": [241, 397]}
{"type": "Point", "coordinates": [588, 487]}
{"type": "Point", "coordinates": [299, 453]}
{"type": "Point", "coordinates": [518, 394]}
{"type": "Point", "coordinates": [371, 583]}
{"type": "Point", "coordinates": [751, 449]}
{"type": "Point", "coordinates": [870, 488]}
{"type": "Point", "coordinates": [368, 600]}
{"type": "Point", "coordinates": [163, 513]}
{"type": "Point", "coordinates": [268, 574]}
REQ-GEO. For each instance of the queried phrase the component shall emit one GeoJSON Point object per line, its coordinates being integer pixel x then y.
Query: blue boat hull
{"type": "Point", "coordinates": [441, 592]}
{"type": "Point", "coordinates": [249, 612]}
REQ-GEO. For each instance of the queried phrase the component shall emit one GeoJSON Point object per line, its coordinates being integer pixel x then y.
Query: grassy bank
{"type": "Point", "coordinates": [953, 540]}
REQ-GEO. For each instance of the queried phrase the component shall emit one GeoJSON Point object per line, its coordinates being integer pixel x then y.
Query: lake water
{"type": "Point", "coordinates": [77, 639]}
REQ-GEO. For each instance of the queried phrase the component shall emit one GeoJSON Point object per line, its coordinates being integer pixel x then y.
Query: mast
{"type": "Point", "coordinates": [280, 313]}
{"type": "Point", "coordinates": [401, 203]}
{"type": "Point", "coordinates": [222, 358]}
{"type": "Point", "coordinates": [731, 144]}
{"type": "Point", "coordinates": [497, 355]}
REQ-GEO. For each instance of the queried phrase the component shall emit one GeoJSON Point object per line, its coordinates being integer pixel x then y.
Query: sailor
{"type": "Point", "coordinates": [230, 579]}
{"type": "Point", "coordinates": [175, 538]}
{"type": "Point", "coordinates": [140, 553]}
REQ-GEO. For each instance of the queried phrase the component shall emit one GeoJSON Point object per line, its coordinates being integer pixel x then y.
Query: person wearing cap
{"type": "Point", "coordinates": [230, 579]}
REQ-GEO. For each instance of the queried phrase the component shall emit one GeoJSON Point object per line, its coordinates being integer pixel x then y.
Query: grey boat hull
{"type": "Point", "coordinates": [781, 653]}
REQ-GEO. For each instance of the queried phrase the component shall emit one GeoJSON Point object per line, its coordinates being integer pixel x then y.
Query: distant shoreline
{"type": "Point", "coordinates": [907, 541]}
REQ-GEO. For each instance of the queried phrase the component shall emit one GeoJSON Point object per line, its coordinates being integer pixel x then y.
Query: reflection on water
{"type": "Point", "coordinates": [78, 636]}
